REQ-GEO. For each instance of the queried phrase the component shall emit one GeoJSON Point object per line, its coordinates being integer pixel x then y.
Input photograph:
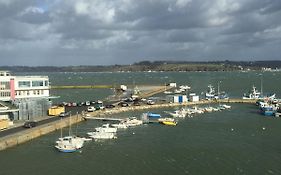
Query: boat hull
{"type": "Point", "coordinates": [169, 123]}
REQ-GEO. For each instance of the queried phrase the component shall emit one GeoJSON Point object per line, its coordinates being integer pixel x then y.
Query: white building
{"type": "Point", "coordinates": [19, 87]}
{"type": "Point", "coordinates": [30, 94]}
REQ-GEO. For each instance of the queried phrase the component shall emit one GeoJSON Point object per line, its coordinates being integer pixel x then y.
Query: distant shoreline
{"type": "Point", "coordinates": [158, 66]}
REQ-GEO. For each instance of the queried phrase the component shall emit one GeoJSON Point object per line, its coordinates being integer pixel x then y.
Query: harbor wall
{"type": "Point", "coordinates": [29, 134]}
{"type": "Point", "coordinates": [32, 133]}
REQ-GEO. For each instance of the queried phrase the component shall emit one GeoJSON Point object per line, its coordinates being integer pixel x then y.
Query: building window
{"type": "Point", "coordinates": [46, 83]}
{"type": "Point", "coordinates": [4, 85]}
{"type": "Point", "coordinates": [5, 94]}
{"type": "Point", "coordinates": [37, 83]}
{"type": "Point", "coordinates": [24, 84]}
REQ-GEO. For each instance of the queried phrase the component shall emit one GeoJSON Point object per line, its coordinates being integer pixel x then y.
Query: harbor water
{"type": "Point", "coordinates": [235, 141]}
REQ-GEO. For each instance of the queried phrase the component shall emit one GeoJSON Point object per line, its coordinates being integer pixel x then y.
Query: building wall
{"type": "Point", "coordinates": [30, 94]}
{"type": "Point", "coordinates": [19, 87]}
{"type": "Point", "coordinates": [31, 109]}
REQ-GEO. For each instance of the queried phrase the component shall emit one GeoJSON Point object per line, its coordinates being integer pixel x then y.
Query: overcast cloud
{"type": "Point", "coordinates": [102, 32]}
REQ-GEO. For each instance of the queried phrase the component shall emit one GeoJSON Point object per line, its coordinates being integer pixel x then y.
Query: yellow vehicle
{"type": "Point", "coordinates": [56, 110]}
{"type": "Point", "coordinates": [4, 124]}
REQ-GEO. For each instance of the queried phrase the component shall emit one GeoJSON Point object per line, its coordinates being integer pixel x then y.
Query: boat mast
{"type": "Point", "coordinates": [76, 124]}
{"type": "Point", "coordinates": [69, 131]}
{"type": "Point", "coordinates": [261, 86]}
{"type": "Point", "coordinates": [61, 127]}
{"type": "Point", "coordinates": [219, 91]}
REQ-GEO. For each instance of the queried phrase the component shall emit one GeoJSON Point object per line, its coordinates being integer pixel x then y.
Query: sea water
{"type": "Point", "coordinates": [236, 141]}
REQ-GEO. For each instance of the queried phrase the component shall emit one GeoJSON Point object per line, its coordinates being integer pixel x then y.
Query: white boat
{"type": "Point", "coordinates": [184, 87]}
{"type": "Point", "coordinates": [178, 113]}
{"type": "Point", "coordinates": [254, 94]}
{"type": "Point", "coordinates": [225, 106]}
{"type": "Point", "coordinates": [119, 125]}
{"type": "Point", "coordinates": [167, 119]}
{"type": "Point", "coordinates": [211, 93]}
{"type": "Point", "coordinates": [209, 109]}
{"type": "Point", "coordinates": [132, 121]}
{"type": "Point", "coordinates": [106, 128]}
{"type": "Point", "coordinates": [196, 110]}
{"type": "Point", "coordinates": [70, 143]}
{"type": "Point", "coordinates": [102, 135]}
{"type": "Point", "coordinates": [178, 91]}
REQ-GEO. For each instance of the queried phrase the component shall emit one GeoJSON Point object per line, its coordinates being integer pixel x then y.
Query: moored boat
{"type": "Point", "coordinates": [69, 144]}
{"type": "Point", "coordinates": [132, 121]}
{"type": "Point", "coordinates": [169, 123]}
{"type": "Point", "coordinates": [106, 128]}
{"type": "Point", "coordinates": [254, 94]}
{"type": "Point", "coordinates": [102, 135]}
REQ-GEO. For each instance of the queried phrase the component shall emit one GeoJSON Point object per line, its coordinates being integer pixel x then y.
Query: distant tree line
{"type": "Point", "coordinates": [155, 66]}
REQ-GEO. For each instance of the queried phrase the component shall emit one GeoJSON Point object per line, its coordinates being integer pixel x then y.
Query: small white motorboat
{"type": "Point", "coordinates": [119, 125]}
{"type": "Point", "coordinates": [225, 106]}
{"type": "Point", "coordinates": [102, 135]}
{"type": "Point", "coordinates": [132, 121]}
{"type": "Point", "coordinates": [106, 128]}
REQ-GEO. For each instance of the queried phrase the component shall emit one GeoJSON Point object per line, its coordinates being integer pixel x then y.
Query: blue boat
{"type": "Point", "coordinates": [153, 115]}
{"type": "Point", "coordinates": [268, 111]}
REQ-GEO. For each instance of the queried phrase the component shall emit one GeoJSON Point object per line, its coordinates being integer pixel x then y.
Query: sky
{"type": "Point", "coordinates": [108, 32]}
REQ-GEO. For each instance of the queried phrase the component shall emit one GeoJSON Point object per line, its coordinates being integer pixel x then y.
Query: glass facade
{"type": "Point", "coordinates": [24, 84]}
{"type": "Point", "coordinates": [37, 83]}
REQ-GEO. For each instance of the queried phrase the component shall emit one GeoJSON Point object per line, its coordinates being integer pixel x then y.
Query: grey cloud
{"type": "Point", "coordinates": [122, 32]}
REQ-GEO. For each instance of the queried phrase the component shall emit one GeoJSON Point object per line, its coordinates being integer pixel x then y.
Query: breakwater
{"type": "Point", "coordinates": [29, 134]}
{"type": "Point", "coordinates": [83, 87]}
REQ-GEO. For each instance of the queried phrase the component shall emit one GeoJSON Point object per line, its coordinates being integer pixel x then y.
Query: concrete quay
{"type": "Point", "coordinates": [116, 110]}
{"type": "Point", "coordinates": [29, 134]}
{"type": "Point", "coordinates": [32, 133]}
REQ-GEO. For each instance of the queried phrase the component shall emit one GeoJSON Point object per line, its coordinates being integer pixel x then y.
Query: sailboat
{"type": "Point", "coordinates": [70, 143]}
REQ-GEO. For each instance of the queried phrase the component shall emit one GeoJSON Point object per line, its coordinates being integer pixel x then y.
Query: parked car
{"type": "Point", "coordinates": [64, 114]}
{"type": "Point", "coordinates": [30, 124]}
{"type": "Point", "coordinates": [109, 106]}
{"type": "Point", "coordinates": [91, 109]}
{"type": "Point", "coordinates": [123, 104]}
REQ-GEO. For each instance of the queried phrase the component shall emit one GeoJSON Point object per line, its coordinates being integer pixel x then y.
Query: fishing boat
{"type": "Point", "coordinates": [254, 94]}
{"type": "Point", "coordinates": [169, 123]}
{"type": "Point", "coordinates": [211, 93]}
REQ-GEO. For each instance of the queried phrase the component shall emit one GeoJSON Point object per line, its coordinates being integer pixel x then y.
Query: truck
{"type": "Point", "coordinates": [56, 110]}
